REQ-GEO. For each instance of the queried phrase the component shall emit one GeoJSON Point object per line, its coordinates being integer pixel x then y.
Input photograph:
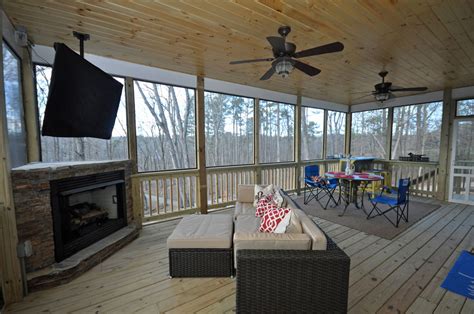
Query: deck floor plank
{"type": "Point", "coordinates": [408, 271]}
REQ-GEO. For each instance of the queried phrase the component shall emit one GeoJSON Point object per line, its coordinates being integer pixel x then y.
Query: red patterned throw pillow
{"type": "Point", "coordinates": [275, 220]}
{"type": "Point", "coordinates": [263, 205]}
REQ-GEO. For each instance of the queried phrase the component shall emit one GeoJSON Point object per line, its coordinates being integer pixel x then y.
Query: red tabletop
{"type": "Point", "coordinates": [358, 176]}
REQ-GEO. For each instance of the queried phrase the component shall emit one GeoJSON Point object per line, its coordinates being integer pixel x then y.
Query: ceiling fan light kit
{"type": "Point", "coordinates": [382, 97]}
{"type": "Point", "coordinates": [284, 68]}
{"type": "Point", "coordinates": [284, 55]}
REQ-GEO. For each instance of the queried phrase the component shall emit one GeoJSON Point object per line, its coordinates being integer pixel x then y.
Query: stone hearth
{"type": "Point", "coordinates": [31, 192]}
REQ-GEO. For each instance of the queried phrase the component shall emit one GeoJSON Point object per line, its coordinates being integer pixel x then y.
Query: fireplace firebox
{"type": "Point", "coordinates": [86, 209]}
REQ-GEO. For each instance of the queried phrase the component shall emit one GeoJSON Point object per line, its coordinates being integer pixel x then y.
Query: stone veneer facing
{"type": "Point", "coordinates": [31, 193]}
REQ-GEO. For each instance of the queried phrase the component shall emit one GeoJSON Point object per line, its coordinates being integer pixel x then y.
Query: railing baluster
{"type": "Point", "coordinates": [150, 201]}
{"type": "Point", "coordinates": [165, 194]}
{"type": "Point", "coordinates": [157, 196]}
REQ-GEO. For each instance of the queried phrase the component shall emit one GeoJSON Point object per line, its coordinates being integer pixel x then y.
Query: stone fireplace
{"type": "Point", "coordinates": [75, 214]}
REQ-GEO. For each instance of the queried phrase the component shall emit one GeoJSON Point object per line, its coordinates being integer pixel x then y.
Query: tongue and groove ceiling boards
{"type": "Point", "coordinates": [421, 43]}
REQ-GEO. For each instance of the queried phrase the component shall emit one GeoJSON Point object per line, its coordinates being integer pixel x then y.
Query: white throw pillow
{"type": "Point", "coordinates": [278, 197]}
{"type": "Point", "coordinates": [262, 191]}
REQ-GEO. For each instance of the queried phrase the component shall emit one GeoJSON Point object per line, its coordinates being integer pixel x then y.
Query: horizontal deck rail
{"type": "Point", "coordinates": [163, 194]}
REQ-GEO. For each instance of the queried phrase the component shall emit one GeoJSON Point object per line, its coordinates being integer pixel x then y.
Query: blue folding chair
{"type": "Point", "coordinates": [318, 189]}
{"type": "Point", "coordinates": [399, 202]}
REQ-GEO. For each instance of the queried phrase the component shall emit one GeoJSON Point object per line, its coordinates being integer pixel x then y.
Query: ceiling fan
{"type": "Point", "coordinates": [284, 55]}
{"type": "Point", "coordinates": [384, 91]}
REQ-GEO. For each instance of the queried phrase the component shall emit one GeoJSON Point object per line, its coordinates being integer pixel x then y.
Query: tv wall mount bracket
{"type": "Point", "coordinates": [82, 38]}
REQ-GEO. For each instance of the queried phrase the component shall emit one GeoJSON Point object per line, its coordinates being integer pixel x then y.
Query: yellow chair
{"type": "Point", "coordinates": [375, 186]}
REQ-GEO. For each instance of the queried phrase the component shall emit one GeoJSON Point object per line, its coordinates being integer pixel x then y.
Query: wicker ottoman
{"type": "Point", "coordinates": [201, 246]}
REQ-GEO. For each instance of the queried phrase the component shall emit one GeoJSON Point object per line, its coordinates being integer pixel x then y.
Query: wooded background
{"type": "Point", "coordinates": [166, 130]}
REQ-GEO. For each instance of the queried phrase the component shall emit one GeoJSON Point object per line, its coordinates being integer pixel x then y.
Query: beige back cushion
{"type": "Point", "coordinates": [312, 230]}
{"type": "Point", "coordinates": [245, 193]}
{"type": "Point", "coordinates": [295, 225]}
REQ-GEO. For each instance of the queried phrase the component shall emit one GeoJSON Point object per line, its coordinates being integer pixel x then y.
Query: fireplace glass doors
{"type": "Point", "coordinates": [86, 209]}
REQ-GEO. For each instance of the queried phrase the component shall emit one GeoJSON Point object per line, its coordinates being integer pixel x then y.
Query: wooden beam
{"type": "Point", "coordinates": [347, 134]}
{"type": "Point", "coordinates": [9, 262]}
{"type": "Point", "coordinates": [132, 150]}
{"type": "Point", "coordinates": [445, 145]}
{"type": "Point", "coordinates": [201, 144]}
{"type": "Point", "coordinates": [256, 141]}
{"type": "Point", "coordinates": [388, 143]}
{"type": "Point", "coordinates": [325, 135]}
{"type": "Point", "coordinates": [298, 144]}
{"type": "Point", "coordinates": [29, 105]}
{"type": "Point", "coordinates": [131, 123]}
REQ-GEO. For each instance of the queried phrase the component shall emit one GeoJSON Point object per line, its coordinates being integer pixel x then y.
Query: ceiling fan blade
{"type": "Point", "coordinates": [278, 43]}
{"type": "Point", "coordinates": [408, 89]}
{"type": "Point", "coordinates": [251, 60]}
{"type": "Point", "coordinates": [268, 74]}
{"type": "Point", "coordinates": [329, 48]}
{"type": "Point", "coordinates": [366, 92]}
{"type": "Point", "coordinates": [306, 68]}
{"type": "Point", "coordinates": [361, 97]}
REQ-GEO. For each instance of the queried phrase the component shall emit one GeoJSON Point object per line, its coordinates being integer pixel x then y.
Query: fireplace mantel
{"type": "Point", "coordinates": [59, 166]}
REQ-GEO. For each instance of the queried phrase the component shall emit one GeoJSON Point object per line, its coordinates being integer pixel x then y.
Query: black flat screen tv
{"type": "Point", "coordinates": [83, 100]}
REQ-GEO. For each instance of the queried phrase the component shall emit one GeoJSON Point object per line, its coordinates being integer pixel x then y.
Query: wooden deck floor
{"type": "Point", "coordinates": [399, 275]}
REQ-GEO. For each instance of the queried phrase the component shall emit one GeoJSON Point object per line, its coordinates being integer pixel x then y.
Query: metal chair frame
{"type": "Point", "coordinates": [314, 189]}
{"type": "Point", "coordinates": [401, 206]}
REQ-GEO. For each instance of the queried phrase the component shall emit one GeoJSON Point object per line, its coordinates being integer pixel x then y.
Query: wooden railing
{"type": "Point", "coordinates": [282, 175]}
{"type": "Point", "coordinates": [222, 183]}
{"type": "Point", "coordinates": [424, 176]}
{"type": "Point", "coordinates": [163, 194]}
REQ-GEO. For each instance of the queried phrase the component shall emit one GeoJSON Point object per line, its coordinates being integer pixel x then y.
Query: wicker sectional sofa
{"type": "Point", "coordinates": [289, 272]}
{"type": "Point", "coordinates": [301, 270]}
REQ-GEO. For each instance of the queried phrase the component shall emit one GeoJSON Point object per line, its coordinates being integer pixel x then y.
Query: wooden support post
{"type": "Point", "coordinates": [201, 144]}
{"type": "Point", "coordinates": [445, 145]}
{"type": "Point", "coordinates": [132, 150]}
{"type": "Point", "coordinates": [347, 137]}
{"type": "Point", "coordinates": [325, 135]}
{"type": "Point", "coordinates": [29, 105]}
{"type": "Point", "coordinates": [10, 270]}
{"type": "Point", "coordinates": [131, 123]}
{"type": "Point", "coordinates": [256, 141]}
{"type": "Point", "coordinates": [388, 143]}
{"type": "Point", "coordinates": [298, 144]}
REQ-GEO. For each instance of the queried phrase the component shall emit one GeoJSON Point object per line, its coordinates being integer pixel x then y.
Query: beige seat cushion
{"type": "Point", "coordinates": [247, 223]}
{"type": "Point", "coordinates": [270, 241]}
{"type": "Point", "coordinates": [202, 231]}
{"type": "Point", "coordinates": [319, 241]}
{"type": "Point", "coordinates": [244, 209]}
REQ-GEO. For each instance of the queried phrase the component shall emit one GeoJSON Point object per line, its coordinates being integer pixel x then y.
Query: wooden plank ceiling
{"type": "Point", "coordinates": [420, 43]}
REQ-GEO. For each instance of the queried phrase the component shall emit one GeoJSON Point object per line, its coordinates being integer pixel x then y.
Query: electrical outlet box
{"type": "Point", "coordinates": [21, 38]}
{"type": "Point", "coordinates": [24, 249]}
